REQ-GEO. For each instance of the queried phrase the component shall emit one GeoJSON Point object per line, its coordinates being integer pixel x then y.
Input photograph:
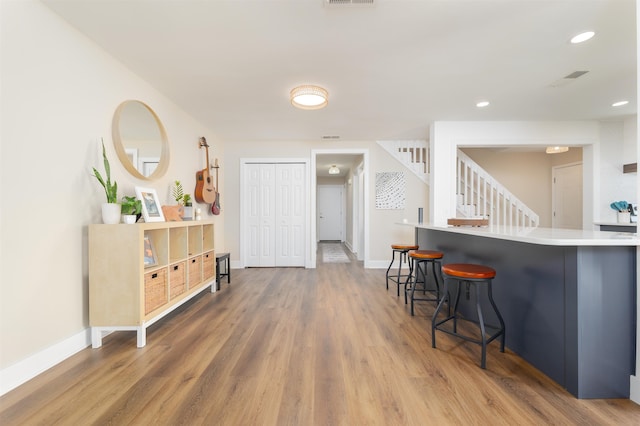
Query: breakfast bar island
{"type": "Point", "coordinates": [568, 298]}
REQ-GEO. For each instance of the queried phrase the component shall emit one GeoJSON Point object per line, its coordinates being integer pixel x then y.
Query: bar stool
{"type": "Point", "coordinates": [418, 258]}
{"type": "Point", "coordinates": [479, 276]}
{"type": "Point", "coordinates": [402, 249]}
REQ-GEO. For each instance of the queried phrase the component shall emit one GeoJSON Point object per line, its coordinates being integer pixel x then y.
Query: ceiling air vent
{"type": "Point", "coordinates": [330, 137]}
{"type": "Point", "coordinates": [568, 79]}
{"type": "Point", "coordinates": [576, 74]}
{"type": "Point", "coordinates": [349, 2]}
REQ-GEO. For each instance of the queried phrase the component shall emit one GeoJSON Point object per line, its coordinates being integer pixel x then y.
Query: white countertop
{"type": "Point", "coordinates": [543, 236]}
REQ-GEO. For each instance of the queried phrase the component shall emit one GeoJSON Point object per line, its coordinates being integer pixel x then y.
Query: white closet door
{"type": "Point", "coordinates": [290, 214]}
{"type": "Point", "coordinates": [260, 216]}
{"type": "Point", "coordinates": [274, 219]}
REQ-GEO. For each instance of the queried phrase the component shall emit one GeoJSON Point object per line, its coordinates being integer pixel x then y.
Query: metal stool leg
{"type": "Point", "coordinates": [393, 257]}
{"type": "Point", "coordinates": [495, 308]}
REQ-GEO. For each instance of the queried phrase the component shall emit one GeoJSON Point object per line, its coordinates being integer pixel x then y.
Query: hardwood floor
{"type": "Point", "coordinates": [290, 346]}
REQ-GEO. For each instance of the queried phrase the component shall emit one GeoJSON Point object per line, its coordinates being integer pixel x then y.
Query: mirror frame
{"type": "Point", "coordinates": [119, 146]}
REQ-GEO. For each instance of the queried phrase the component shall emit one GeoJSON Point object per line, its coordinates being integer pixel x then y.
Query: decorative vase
{"type": "Point", "coordinates": [188, 212]}
{"type": "Point", "coordinates": [129, 219]}
{"type": "Point", "coordinates": [624, 217]}
{"type": "Point", "coordinates": [111, 213]}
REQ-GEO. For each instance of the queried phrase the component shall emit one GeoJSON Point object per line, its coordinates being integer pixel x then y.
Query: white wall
{"type": "Point", "coordinates": [59, 93]}
{"type": "Point", "coordinates": [382, 229]}
{"type": "Point", "coordinates": [618, 147]}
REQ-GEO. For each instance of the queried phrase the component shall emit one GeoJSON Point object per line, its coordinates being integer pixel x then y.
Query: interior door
{"type": "Point", "coordinates": [290, 214]}
{"type": "Point", "coordinates": [260, 215]}
{"type": "Point", "coordinates": [330, 212]}
{"type": "Point", "coordinates": [567, 196]}
{"type": "Point", "coordinates": [274, 216]}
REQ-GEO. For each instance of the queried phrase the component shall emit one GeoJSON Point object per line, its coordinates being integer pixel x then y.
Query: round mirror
{"type": "Point", "coordinates": [140, 140]}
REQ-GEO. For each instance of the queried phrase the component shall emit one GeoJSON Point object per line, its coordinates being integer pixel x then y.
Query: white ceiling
{"type": "Point", "coordinates": [390, 69]}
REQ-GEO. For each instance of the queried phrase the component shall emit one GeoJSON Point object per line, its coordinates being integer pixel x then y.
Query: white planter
{"type": "Point", "coordinates": [111, 213]}
{"type": "Point", "coordinates": [624, 217]}
{"type": "Point", "coordinates": [129, 219]}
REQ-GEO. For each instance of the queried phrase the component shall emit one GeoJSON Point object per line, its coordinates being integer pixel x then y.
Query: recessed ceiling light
{"type": "Point", "coordinates": [617, 104]}
{"type": "Point", "coordinates": [582, 37]}
{"type": "Point", "coordinates": [482, 104]}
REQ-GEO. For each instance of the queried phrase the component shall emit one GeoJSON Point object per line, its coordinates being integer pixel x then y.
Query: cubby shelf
{"type": "Point", "coordinates": [130, 289]}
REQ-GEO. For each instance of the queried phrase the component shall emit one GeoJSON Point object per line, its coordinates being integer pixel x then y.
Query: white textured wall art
{"type": "Point", "coordinates": [390, 190]}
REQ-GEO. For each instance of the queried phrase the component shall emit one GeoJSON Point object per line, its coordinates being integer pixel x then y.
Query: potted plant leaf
{"type": "Point", "coordinates": [110, 209]}
{"type": "Point", "coordinates": [178, 192]}
{"type": "Point", "coordinates": [131, 209]}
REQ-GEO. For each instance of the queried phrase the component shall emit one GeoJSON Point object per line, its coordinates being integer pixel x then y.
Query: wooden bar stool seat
{"type": "Point", "coordinates": [419, 261]}
{"type": "Point", "coordinates": [399, 278]}
{"type": "Point", "coordinates": [479, 276]}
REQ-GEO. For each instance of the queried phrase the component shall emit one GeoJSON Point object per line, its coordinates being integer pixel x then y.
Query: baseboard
{"type": "Point", "coordinates": [634, 389]}
{"type": "Point", "coordinates": [349, 246]}
{"type": "Point", "coordinates": [372, 264]}
{"type": "Point", "coordinates": [377, 264]}
{"type": "Point", "coordinates": [25, 370]}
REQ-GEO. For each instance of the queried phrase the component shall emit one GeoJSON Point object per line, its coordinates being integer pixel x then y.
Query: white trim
{"type": "Point", "coordinates": [28, 368]}
{"type": "Point", "coordinates": [634, 389]}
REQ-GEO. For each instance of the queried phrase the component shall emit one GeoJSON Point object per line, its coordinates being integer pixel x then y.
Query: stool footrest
{"type": "Point", "coordinates": [489, 339]}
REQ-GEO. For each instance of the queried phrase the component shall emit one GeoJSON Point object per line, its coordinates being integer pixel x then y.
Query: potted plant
{"type": "Point", "coordinates": [131, 209]}
{"type": "Point", "coordinates": [188, 208]}
{"type": "Point", "coordinates": [622, 208]}
{"type": "Point", "coordinates": [110, 209]}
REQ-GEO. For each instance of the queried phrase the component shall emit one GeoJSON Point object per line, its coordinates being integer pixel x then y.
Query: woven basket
{"type": "Point", "coordinates": [155, 290]}
{"type": "Point", "coordinates": [195, 271]}
{"type": "Point", "coordinates": [177, 279]}
{"type": "Point", "coordinates": [208, 262]}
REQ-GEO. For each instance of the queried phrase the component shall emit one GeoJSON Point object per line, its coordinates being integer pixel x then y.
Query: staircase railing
{"type": "Point", "coordinates": [414, 154]}
{"type": "Point", "coordinates": [479, 194]}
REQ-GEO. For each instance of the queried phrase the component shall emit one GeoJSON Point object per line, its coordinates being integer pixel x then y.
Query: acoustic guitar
{"type": "Point", "coordinates": [205, 191]}
{"type": "Point", "coordinates": [215, 207]}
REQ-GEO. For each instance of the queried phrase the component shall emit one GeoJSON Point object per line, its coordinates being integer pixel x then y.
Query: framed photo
{"type": "Point", "coordinates": [150, 258]}
{"type": "Point", "coordinates": [151, 209]}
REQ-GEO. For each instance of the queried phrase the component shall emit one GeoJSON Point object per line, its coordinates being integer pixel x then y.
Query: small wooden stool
{"type": "Point", "coordinates": [471, 274]}
{"type": "Point", "coordinates": [416, 259]}
{"type": "Point", "coordinates": [225, 259]}
{"type": "Point", "coordinates": [402, 249]}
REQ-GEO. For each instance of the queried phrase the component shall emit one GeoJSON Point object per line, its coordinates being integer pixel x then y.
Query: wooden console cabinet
{"type": "Point", "coordinates": [131, 288]}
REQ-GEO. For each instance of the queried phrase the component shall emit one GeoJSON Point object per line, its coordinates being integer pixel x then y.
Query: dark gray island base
{"type": "Point", "coordinates": [570, 310]}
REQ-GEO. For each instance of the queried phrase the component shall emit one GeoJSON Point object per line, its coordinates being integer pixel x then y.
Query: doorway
{"type": "Point", "coordinates": [566, 196]}
{"type": "Point", "coordinates": [356, 208]}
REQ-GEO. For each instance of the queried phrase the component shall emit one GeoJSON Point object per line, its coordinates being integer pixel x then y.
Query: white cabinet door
{"type": "Point", "coordinates": [275, 214]}
{"type": "Point", "coordinates": [260, 215]}
{"type": "Point", "coordinates": [290, 202]}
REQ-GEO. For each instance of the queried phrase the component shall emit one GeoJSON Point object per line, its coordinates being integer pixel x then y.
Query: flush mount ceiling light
{"type": "Point", "coordinates": [617, 104]}
{"type": "Point", "coordinates": [333, 170]}
{"type": "Point", "coordinates": [582, 37]}
{"type": "Point", "coordinates": [557, 149]}
{"type": "Point", "coordinates": [482, 104]}
{"type": "Point", "coordinates": [309, 97]}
